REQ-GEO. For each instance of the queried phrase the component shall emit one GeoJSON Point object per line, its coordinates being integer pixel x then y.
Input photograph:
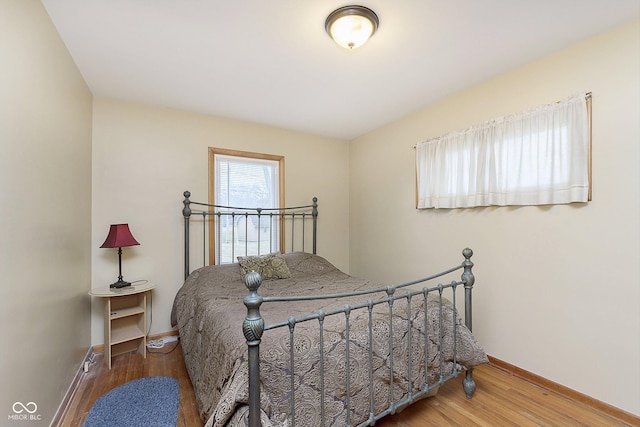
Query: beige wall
{"type": "Point", "coordinates": [557, 289]}
{"type": "Point", "coordinates": [145, 157]}
{"type": "Point", "coordinates": [45, 209]}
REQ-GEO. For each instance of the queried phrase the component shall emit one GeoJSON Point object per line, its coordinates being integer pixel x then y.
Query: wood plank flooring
{"type": "Point", "coordinates": [502, 399]}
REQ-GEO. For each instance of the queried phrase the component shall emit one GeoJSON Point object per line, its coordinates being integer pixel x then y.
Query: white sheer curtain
{"type": "Point", "coordinates": [537, 157]}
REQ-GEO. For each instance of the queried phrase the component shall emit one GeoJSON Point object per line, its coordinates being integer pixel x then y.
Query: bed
{"type": "Point", "coordinates": [290, 340]}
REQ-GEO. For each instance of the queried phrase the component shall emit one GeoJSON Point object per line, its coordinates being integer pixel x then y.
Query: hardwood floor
{"type": "Point", "coordinates": [502, 399]}
{"type": "Point", "coordinates": [167, 361]}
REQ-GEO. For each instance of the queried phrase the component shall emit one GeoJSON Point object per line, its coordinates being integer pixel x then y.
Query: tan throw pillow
{"type": "Point", "coordinates": [271, 266]}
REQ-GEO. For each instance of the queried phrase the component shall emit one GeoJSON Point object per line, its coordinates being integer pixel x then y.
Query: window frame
{"type": "Point", "coordinates": [213, 151]}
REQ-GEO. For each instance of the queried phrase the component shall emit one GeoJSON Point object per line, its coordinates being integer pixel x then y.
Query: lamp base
{"type": "Point", "coordinates": [120, 284]}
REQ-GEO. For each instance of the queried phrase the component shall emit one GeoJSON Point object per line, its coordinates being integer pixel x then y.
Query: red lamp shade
{"type": "Point", "coordinates": [119, 237]}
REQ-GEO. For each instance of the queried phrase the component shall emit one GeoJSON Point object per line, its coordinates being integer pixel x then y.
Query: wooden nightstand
{"type": "Point", "coordinates": [125, 319]}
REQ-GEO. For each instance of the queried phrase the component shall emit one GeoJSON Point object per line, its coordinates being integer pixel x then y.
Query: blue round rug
{"type": "Point", "coordinates": [149, 401]}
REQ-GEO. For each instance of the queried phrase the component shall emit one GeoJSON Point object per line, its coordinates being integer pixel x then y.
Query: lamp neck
{"type": "Point", "coordinates": [119, 264]}
{"type": "Point", "coordinates": [120, 283]}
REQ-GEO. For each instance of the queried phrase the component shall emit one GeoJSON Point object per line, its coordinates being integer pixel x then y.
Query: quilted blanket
{"type": "Point", "coordinates": [209, 311]}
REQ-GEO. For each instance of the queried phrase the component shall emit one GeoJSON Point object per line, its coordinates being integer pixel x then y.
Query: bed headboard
{"type": "Point", "coordinates": [259, 228]}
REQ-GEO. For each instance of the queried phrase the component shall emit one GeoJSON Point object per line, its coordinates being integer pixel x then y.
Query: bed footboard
{"type": "Point", "coordinates": [254, 327]}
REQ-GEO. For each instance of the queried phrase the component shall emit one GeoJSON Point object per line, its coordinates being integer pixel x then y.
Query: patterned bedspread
{"type": "Point", "coordinates": [209, 312]}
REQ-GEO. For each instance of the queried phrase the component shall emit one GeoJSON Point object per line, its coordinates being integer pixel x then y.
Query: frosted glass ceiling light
{"type": "Point", "coordinates": [351, 26]}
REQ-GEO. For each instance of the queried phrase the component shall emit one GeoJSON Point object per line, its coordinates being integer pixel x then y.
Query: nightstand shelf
{"type": "Point", "coordinates": [125, 319]}
{"type": "Point", "coordinates": [125, 333]}
{"type": "Point", "coordinates": [125, 312]}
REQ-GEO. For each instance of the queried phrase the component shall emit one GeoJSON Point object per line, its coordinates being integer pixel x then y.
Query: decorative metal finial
{"type": "Point", "coordinates": [186, 211]}
{"type": "Point", "coordinates": [253, 281]}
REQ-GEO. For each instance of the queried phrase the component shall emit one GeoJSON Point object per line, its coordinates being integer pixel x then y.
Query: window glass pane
{"type": "Point", "coordinates": [244, 182]}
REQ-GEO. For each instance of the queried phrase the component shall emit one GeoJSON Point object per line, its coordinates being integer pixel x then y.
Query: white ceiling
{"type": "Point", "coordinates": [271, 61]}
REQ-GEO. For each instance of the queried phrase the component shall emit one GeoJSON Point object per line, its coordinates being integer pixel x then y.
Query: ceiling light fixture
{"type": "Point", "coordinates": [351, 26]}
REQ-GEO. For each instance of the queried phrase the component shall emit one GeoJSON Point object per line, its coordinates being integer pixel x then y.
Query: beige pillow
{"type": "Point", "coordinates": [270, 266]}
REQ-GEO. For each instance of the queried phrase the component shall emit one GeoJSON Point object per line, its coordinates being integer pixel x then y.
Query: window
{"type": "Point", "coordinates": [540, 156]}
{"type": "Point", "coordinates": [244, 180]}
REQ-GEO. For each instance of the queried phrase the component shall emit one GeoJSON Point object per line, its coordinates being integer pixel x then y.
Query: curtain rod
{"type": "Point", "coordinates": [587, 96]}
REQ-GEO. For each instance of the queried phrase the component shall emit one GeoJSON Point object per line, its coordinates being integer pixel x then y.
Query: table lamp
{"type": "Point", "coordinates": [119, 237]}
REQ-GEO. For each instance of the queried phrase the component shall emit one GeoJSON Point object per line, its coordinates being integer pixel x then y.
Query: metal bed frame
{"type": "Point", "coordinates": [254, 326]}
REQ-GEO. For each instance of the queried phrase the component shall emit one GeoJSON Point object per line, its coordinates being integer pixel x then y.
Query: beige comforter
{"type": "Point", "coordinates": [209, 311]}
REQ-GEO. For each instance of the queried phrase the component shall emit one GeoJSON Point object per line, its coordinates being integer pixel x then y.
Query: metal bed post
{"type": "Point", "coordinates": [469, 279]}
{"type": "Point", "coordinates": [253, 327]}
{"type": "Point", "coordinates": [186, 213]}
{"type": "Point", "coordinates": [314, 214]}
